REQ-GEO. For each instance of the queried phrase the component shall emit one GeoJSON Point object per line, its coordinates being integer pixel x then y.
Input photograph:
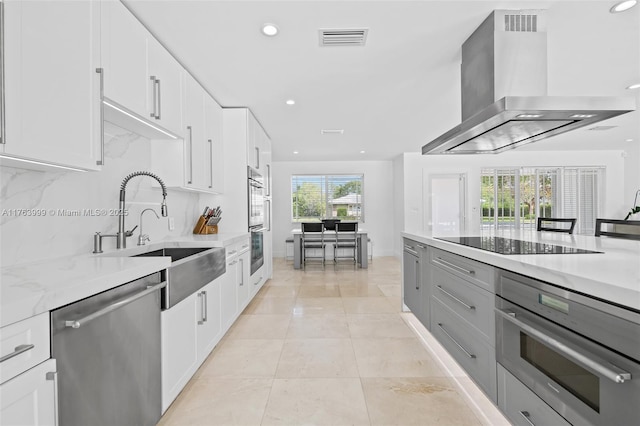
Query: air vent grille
{"type": "Point", "coordinates": [602, 127]}
{"type": "Point", "coordinates": [343, 37]}
{"type": "Point", "coordinates": [521, 23]}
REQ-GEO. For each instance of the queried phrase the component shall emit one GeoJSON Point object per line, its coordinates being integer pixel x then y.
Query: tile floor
{"type": "Point", "coordinates": [325, 348]}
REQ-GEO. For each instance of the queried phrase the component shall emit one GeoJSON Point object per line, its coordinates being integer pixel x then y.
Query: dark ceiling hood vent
{"type": "Point", "coordinates": [504, 91]}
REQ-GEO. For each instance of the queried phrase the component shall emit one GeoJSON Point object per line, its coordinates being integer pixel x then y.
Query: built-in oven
{"type": "Point", "coordinates": [256, 198]}
{"type": "Point", "coordinates": [578, 354]}
{"type": "Point", "coordinates": [257, 249]}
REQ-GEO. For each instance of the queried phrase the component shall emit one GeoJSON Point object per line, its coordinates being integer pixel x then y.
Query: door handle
{"type": "Point", "coordinates": [154, 114]}
{"type": "Point", "coordinates": [17, 351]}
{"type": "Point", "coordinates": [211, 162]}
{"type": "Point", "coordinates": [101, 72]}
{"type": "Point", "coordinates": [190, 181]}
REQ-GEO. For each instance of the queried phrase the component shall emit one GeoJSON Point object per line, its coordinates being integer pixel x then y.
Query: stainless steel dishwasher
{"type": "Point", "coordinates": [107, 348]}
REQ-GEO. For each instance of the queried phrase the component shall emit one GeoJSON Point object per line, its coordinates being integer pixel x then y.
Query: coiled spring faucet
{"type": "Point", "coordinates": [121, 236]}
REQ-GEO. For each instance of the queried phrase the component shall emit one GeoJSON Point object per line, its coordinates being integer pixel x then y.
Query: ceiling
{"type": "Point", "coordinates": [400, 90]}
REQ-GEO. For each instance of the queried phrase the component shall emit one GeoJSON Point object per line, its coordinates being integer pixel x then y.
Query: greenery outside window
{"type": "Point", "coordinates": [317, 197]}
{"type": "Point", "coordinates": [515, 198]}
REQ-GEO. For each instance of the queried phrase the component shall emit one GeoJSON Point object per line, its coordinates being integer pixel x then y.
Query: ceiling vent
{"type": "Point", "coordinates": [521, 22]}
{"type": "Point", "coordinates": [603, 127]}
{"type": "Point", "coordinates": [343, 37]}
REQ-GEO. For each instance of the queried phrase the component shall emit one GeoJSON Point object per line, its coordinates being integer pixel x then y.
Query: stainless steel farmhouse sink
{"type": "Point", "coordinates": [191, 269]}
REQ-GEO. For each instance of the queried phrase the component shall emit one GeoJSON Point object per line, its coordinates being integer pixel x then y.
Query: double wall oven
{"type": "Point", "coordinates": [256, 217]}
{"type": "Point", "coordinates": [579, 354]}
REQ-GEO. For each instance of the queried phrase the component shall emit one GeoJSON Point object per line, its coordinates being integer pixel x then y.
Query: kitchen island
{"type": "Point", "coordinates": [550, 338]}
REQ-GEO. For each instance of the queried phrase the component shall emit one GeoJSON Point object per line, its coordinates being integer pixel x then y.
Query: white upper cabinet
{"type": "Point", "coordinates": [194, 134]}
{"type": "Point", "coordinates": [141, 76]}
{"type": "Point", "coordinates": [214, 152]}
{"type": "Point", "coordinates": [51, 107]}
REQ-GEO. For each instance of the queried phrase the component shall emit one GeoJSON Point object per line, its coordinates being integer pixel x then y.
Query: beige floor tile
{"type": "Point", "coordinates": [396, 303]}
{"type": "Point", "coordinates": [390, 290]}
{"type": "Point", "coordinates": [416, 401]}
{"type": "Point", "coordinates": [367, 305]}
{"type": "Point", "coordinates": [279, 291]}
{"type": "Point", "coordinates": [318, 305]}
{"type": "Point", "coordinates": [318, 326]}
{"type": "Point", "coordinates": [360, 290]}
{"type": "Point", "coordinates": [391, 357]}
{"type": "Point", "coordinates": [266, 326]}
{"type": "Point", "coordinates": [270, 305]}
{"type": "Point", "coordinates": [243, 358]}
{"type": "Point", "coordinates": [316, 402]}
{"type": "Point", "coordinates": [220, 402]}
{"type": "Point", "coordinates": [377, 325]}
{"type": "Point", "coordinates": [317, 358]}
{"type": "Point", "coordinates": [319, 291]}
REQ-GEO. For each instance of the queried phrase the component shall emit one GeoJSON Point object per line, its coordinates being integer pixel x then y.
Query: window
{"type": "Point", "coordinates": [515, 198]}
{"type": "Point", "coordinates": [316, 197]}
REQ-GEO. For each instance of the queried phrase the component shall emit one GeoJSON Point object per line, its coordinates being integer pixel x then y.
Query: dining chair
{"type": "Point", "coordinates": [555, 224]}
{"type": "Point", "coordinates": [629, 229]}
{"type": "Point", "coordinates": [330, 224]}
{"type": "Point", "coordinates": [346, 241]}
{"type": "Point", "coordinates": [312, 240]}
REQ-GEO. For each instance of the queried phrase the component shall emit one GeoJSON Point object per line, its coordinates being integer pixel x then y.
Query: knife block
{"type": "Point", "coordinates": [210, 229]}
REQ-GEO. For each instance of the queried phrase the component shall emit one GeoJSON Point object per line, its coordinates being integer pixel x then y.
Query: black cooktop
{"type": "Point", "coordinates": [509, 246]}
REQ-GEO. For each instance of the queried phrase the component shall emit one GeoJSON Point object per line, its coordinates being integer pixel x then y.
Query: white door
{"type": "Point", "coordinates": [445, 198]}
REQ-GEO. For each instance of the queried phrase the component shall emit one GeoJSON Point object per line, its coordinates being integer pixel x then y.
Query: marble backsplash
{"type": "Point", "coordinates": [67, 203]}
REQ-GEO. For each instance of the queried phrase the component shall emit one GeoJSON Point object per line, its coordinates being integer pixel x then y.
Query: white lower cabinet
{"type": "Point", "coordinates": [30, 398]}
{"type": "Point", "coordinates": [523, 407]}
{"type": "Point", "coordinates": [209, 330]}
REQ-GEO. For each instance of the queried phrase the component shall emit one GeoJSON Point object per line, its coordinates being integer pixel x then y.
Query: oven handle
{"type": "Point", "coordinates": [592, 362]}
{"type": "Point", "coordinates": [259, 230]}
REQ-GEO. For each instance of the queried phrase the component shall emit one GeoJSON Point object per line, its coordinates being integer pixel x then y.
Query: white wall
{"type": "Point", "coordinates": [378, 199]}
{"type": "Point", "coordinates": [26, 239]}
{"type": "Point", "coordinates": [416, 167]}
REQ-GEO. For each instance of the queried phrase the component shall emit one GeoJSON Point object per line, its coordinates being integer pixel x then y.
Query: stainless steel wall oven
{"type": "Point", "coordinates": [256, 217]}
{"type": "Point", "coordinates": [580, 355]}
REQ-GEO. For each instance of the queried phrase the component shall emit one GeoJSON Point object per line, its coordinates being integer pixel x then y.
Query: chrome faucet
{"type": "Point", "coordinates": [145, 237]}
{"type": "Point", "coordinates": [121, 235]}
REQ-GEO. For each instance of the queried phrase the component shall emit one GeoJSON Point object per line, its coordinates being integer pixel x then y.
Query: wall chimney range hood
{"type": "Point", "coordinates": [504, 90]}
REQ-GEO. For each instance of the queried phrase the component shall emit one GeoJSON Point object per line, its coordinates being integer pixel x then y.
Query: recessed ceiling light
{"type": "Point", "coordinates": [629, 140]}
{"type": "Point", "coordinates": [295, 152]}
{"type": "Point", "coordinates": [290, 102]}
{"type": "Point", "coordinates": [269, 30]}
{"type": "Point", "coordinates": [582, 116]}
{"type": "Point", "coordinates": [623, 5]}
{"type": "Point", "coordinates": [331, 131]}
{"type": "Point", "coordinates": [361, 152]}
{"type": "Point", "coordinates": [634, 86]}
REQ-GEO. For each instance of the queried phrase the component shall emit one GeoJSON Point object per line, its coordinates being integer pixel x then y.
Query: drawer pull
{"type": "Point", "coordinates": [526, 415]}
{"type": "Point", "coordinates": [18, 350]}
{"type": "Point", "coordinates": [470, 307]}
{"type": "Point", "coordinates": [467, 353]}
{"type": "Point", "coordinates": [454, 266]}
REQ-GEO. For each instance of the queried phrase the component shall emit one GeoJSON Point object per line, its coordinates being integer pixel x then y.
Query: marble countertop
{"type": "Point", "coordinates": [613, 275]}
{"type": "Point", "coordinates": [32, 288]}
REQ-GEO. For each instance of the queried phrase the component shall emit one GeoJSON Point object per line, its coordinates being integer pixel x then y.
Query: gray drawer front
{"type": "Point", "coordinates": [475, 272]}
{"type": "Point", "coordinates": [479, 360]}
{"type": "Point", "coordinates": [472, 303]}
{"type": "Point", "coordinates": [523, 407]}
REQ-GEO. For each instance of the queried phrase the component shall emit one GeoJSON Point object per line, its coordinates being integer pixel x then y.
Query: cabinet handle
{"type": "Point", "coordinates": [470, 307]}
{"type": "Point", "coordinates": [155, 96]}
{"type": "Point", "coordinates": [211, 161]}
{"type": "Point", "coordinates": [101, 72]}
{"type": "Point", "coordinates": [526, 415]}
{"type": "Point", "coordinates": [190, 181]}
{"type": "Point", "coordinates": [17, 351]}
{"type": "Point", "coordinates": [159, 98]}
{"type": "Point", "coordinates": [408, 249]}
{"type": "Point", "coordinates": [203, 307]}
{"type": "Point", "coordinates": [417, 275]}
{"type": "Point", "coordinates": [116, 305]}
{"type": "Point", "coordinates": [53, 376]}
{"type": "Point", "coordinates": [241, 271]}
{"type": "Point", "coordinates": [456, 267]}
{"type": "Point", "coordinates": [3, 140]}
{"type": "Point", "coordinates": [467, 353]}
{"type": "Point", "coordinates": [257, 157]}
{"type": "Point", "coordinates": [268, 185]}
{"type": "Point", "coordinates": [258, 282]}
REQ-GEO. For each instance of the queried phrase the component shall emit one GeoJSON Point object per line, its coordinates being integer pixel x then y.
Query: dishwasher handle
{"type": "Point", "coordinates": [79, 322]}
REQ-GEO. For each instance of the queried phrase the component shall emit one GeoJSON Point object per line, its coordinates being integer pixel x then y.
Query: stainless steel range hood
{"type": "Point", "coordinates": [504, 84]}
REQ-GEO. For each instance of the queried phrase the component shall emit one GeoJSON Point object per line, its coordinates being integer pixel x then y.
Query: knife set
{"type": "Point", "coordinates": [208, 222]}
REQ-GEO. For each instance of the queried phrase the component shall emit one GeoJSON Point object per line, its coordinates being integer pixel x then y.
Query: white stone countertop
{"type": "Point", "coordinates": [32, 288]}
{"type": "Point", "coordinates": [612, 276]}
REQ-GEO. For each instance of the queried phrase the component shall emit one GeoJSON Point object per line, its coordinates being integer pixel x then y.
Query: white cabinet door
{"type": "Point", "coordinates": [30, 398]}
{"type": "Point", "coordinates": [242, 280]}
{"type": "Point", "coordinates": [124, 58]}
{"type": "Point", "coordinates": [179, 347]}
{"type": "Point", "coordinates": [164, 97]}
{"type": "Point", "coordinates": [52, 89]}
{"type": "Point", "coordinates": [209, 323]}
{"type": "Point", "coordinates": [228, 294]}
{"type": "Point", "coordinates": [214, 151]}
{"type": "Point", "coordinates": [194, 134]}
